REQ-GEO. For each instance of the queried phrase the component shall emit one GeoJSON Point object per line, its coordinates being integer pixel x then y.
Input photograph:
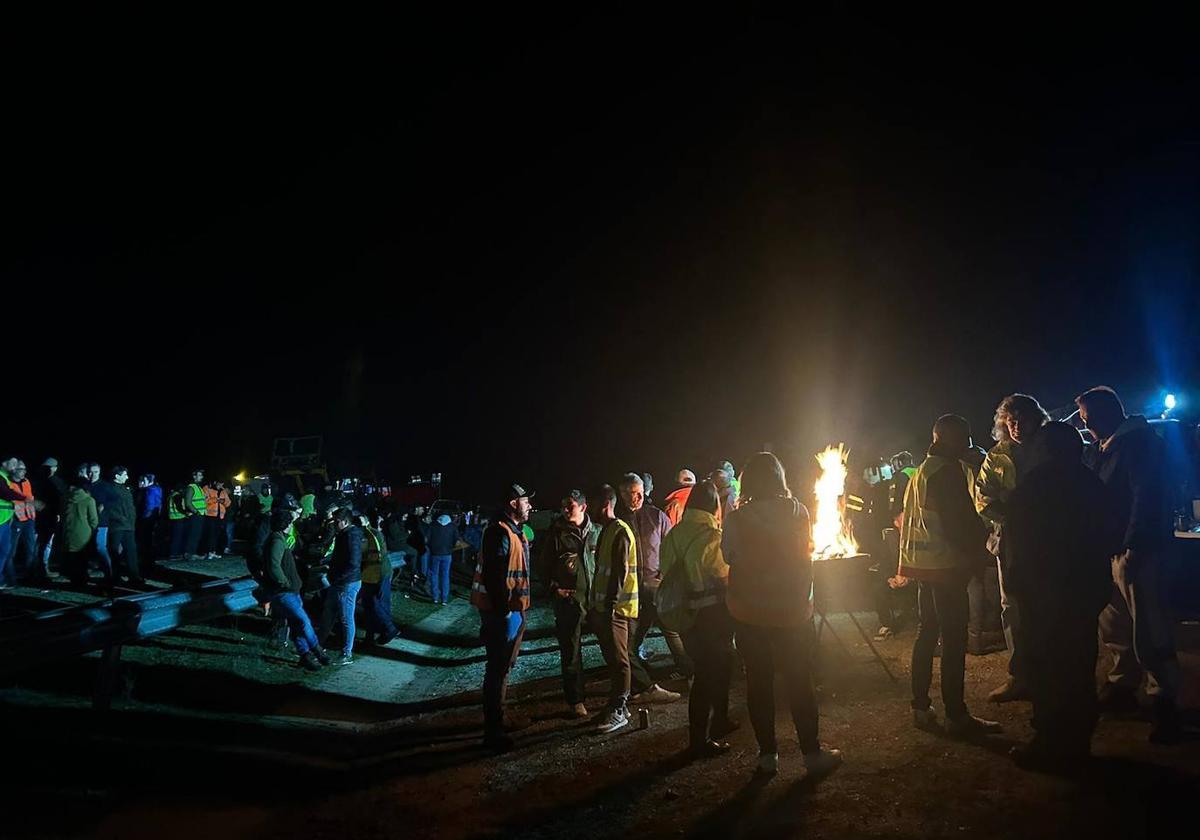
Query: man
{"type": "Point", "coordinates": [941, 542]}
{"type": "Point", "coordinates": [613, 613]}
{"type": "Point", "coordinates": [500, 591]}
{"type": "Point", "coordinates": [569, 561]}
{"type": "Point", "coordinates": [1135, 626]}
{"type": "Point", "coordinates": [443, 540]}
{"type": "Point", "coordinates": [1017, 418]}
{"type": "Point", "coordinates": [1059, 537]}
{"type": "Point", "coordinates": [122, 520]}
{"type": "Point", "coordinates": [216, 505]}
{"type": "Point", "coordinates": [376, 586]}
{"type": "Point", "coordinates": [10, 496]}
{"type": "Point", "coordinates": [649, 526]}
{"type": "Point", "coordinates": [345, 579]}
{"type": "Point", "coordinates": [195, 508]}
{"type": "Point", "coordinates": [149, 508]}
{"type": "Point", "coordinates": [727, 487]}
{"type": "Point", "coordinates": [281, 587]}
{"type": "Point", "coordinates": [416, 540]}
{"type": "Point", "coordinates": [25, 560]}
{"type": "Point", "coordinates": [676, 501]}
{"type": "Point", "coordinates": [51, 490]}
{"type": "Point", "coordinates": [102, 492]}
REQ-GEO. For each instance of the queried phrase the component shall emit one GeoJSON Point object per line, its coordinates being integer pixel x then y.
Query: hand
{"type": "Point", "coordinates": [897, 582]}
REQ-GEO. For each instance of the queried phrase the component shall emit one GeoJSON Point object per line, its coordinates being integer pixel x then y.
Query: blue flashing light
{"type": "Point", "coordinates": [1170, 402]}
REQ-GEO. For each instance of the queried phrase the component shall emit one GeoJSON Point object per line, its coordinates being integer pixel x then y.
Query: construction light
{"type": "Point", "coordinates": [240, 478]}
{"type": "Point", "coordinates": [1170, 402]}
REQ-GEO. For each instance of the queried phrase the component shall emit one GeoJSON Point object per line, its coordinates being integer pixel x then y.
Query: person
{"type": "Point", "coordinates": [196, 508]}
{"type": "Point", "coordinates": [280, 588]}
{"type": "Point", "coordinates": [24, 559]}
{"type": "Point", "coordinates": [9, 497]}
{"type": "Point", "coordinates": [767, 543]}
{"type": "Point", "coordinates": [376, 593]}
{"type": "Point", "coordinates": [1135, 626]}
{"type": "Point", "coordinates": [649, 525]}
{"type": "Point", "coordinates": [216, 506]}
{"type": "Point", "coordinates": [693, 547]}
{"type": "Point", "coordinates": [942, 539]}
{"type": "Point", "coordinates": [51, 490]}
{"type": "Point", "coordinates": [416, 540]}
{"type": "Point", "coordinates": [569, 561]}
{"type": "Point", "coordinates": [443, 538]}
{"type": "Point", "coordinates": [500, 592]}
{"type": "Point", "coordinates": [648, 484]}
{"type": "Point", "coordinates": [345, 580]}
{"type": "Point", "coordinates": [399, 550]}
{"type": "Point", "coordinates": [122, 519]}
{"type": "Point", "coordinates": [723, 476]}
{"type": "Point", "coordinates": [149, 500]}
{"type": "Point", "coordinates": [80, 521]}
{"type": "Point", "coordinates": [1059, 537]}
{"type": "Point", "coordinates": [1017, 417]}
{"type": "Point", "coordinates": [677, 499]}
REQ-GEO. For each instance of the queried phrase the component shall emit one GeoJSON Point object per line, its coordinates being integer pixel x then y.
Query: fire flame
{"type": "Point", "coordinates": [831, 529]}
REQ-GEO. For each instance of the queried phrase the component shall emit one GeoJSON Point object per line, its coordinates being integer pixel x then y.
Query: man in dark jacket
{"type": "Point", "coordinates": [345, 579]}
{"type": "Point", "coordinates": [122, 520]}
{"type": "Point", "coordinates": [443, 537]}
{"type": "Point", "coordinates": [569, 563]}
{"type": "Point", "coordinates": [649, 525]}
{"type": "Point", "coordinates": [281, 589]}
{"type": "Point", "coordinates": [1059, 539]}
{"type": "Point", "coordinates": [52, 491]}
{"type": "Point", "coordinates": [1135, 626]}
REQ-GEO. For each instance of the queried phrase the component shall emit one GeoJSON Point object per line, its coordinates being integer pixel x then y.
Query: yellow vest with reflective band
{"type": "Point", "coordinates": [923, 545]}
{"type": "Point", "coordinates": [6, 507]}
{"type": "Point", "coordinates": [175, 502]}
{"type": "Point", "coordinates": [517, 576]}
{"type": "Point", "coordinates": [627, 593]}
{"type": "Point", "coordinates": [198, 503]}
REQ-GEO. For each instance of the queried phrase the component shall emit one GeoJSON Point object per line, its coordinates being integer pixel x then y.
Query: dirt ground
{"type": "Point", "coordinates": [564, 781]}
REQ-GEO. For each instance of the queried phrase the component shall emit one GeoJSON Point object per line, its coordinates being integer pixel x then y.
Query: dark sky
{"type": "Point", "coordinates": [557, 250]}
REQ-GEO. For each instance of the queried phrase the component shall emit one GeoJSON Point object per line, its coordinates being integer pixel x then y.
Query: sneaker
{"type": "Point", "coordinates": [614, 720]}
{"type": "Point", "coordinates": [498, 742]}
{"type": "Point", "coordinates": [309, 662]}
{"type": "Point", "coordinates": [1117, 700]}
{"type": "Point", "coordinates": [884, 633]}
{"type": "Point", "coordinates": [927, 720]}
{"type": "Point", "coordinates": [970, 725]}
{"type": "Point", "coordinates": [383, 640]}
{"type": "Point", "coordinates": [768, 764]}
{"type": "Point", "coordinates": [321, 656]}
{"type": "Point", "coordinates": [708, 749]}
{"type": "Point", "coordinates": [1166, 728]}
{"type": "Point", "coordinates": [345, 659]}
{"type": "Point", "coordinates": [821, 763]}
{"type": "Point", "coordinates": [656, 694]}
{"type": "Point", "coordinates": [578, 710]}
{"type": "Point", "coordinates": [1010, 691]}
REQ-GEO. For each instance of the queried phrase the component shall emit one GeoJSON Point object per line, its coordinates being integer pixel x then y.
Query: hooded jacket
{"type": "Point", "coordinates": [280, 573]}
{"type": "Point", "coordinates": [443, 536]}
{"type": "Point", "coordinates": [768, 546]}
{"type": "Point", "coordinates": [80, 519]}
{"type": "Point", "coordinates": [695, 546]}
{"type": "Point", "coordinates": [1132, 465]}
{"type": "Point", "coordinates": [942, 538]}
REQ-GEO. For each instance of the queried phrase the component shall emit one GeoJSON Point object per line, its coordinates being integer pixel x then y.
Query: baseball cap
{"type": "Point", "coordinates": [517, 491]}
{"type": "Point", "coordinates": [50, 462]}
{"type": "Point", "coordinates": [685, 477]}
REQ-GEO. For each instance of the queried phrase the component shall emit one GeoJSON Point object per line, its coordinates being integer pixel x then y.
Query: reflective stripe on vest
{"type": "Point", "coordinates": [174, 503]}
{"type": "Point", "coordinates": [923, 543]}
{"type": "Point", "coordinates": [25, 511]}
{"type": "Point", "coordinates": [627, 593]}
{"type": "Point", "coordinates": [198, 503]}
{"type": "Point", "coordinates": [6, 507]}
{"type": "Point", "coordinates": [517, 577]}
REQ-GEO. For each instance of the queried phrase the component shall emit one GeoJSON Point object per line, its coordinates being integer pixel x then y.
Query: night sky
{"type": "Point", "coordinates": [554, 251]}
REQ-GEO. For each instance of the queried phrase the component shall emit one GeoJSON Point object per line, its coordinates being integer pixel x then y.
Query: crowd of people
{"type": "Point", "coordinates": [1077, 533]}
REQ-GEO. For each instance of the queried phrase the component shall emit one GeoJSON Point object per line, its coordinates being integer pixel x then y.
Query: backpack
{"type": "Point", "coordinates": [674, 598]}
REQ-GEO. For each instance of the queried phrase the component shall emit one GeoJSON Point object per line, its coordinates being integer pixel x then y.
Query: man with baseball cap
{"type": "Point", "coordinates": [500, 592]}
{"type": "Point", "coordinates": [676, 501]}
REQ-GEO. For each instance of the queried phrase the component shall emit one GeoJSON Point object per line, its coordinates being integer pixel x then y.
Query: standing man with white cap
{"type": "Point", "coordinates": [676, 501]}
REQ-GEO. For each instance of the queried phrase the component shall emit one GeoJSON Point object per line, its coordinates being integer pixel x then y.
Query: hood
{"type": "Point", "coordinates": [698, 519]}
{"type": "Point", "coordinates": [443, 520]}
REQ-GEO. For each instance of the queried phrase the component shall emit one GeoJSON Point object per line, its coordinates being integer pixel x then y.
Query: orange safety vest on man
{"type": "Point", "coordinates": [216, 502]}
{"type": "Point", "coordinates": [517, 577]}
{"type": "Point", "coordinates": [24, 511]}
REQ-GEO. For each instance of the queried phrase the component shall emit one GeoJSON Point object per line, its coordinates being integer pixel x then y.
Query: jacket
{"type": "Point", "coordinates": [694, 545]}
{"type": "Point", "coordinates": [80, 519]}
{"type": "Point", "coordinates": [280, 575]}
{"type": "Point", "coordinates": [996, 480]}
{"type": "Point", "coordinates": [345, 564]}
{"type": "Point", "coordinates": [150, 501]}
{"type": "Point", "coordinates": [376, 565]}
{"type": "Point", "coordinates": [216, 502]}
{"type": "Point", "coordinates": [24, 511]}
{"type": "Point", "coordinates": [443, 536]}
{"type": "Point", "coordinates": [650, 525]}
{"type": "Point", "coordinates": [615, 590]}
{"type": "Point", "coordinates": [675, 502]}
{"type": "Point", "coordinates": [104, 492]}
{"type": "Point", "coordinates": [53, 491]}
{"type": "Point", "coordinates": [1132, 463]}
{"type": "Point", "coordinates": [942, 538]}
{"type": "Point", "coordinates": [768, 546]}
{"type": "Point", "coordinates": [568, 556]}
{"type": "Point", "coordinates": [501, 582]}
{"type": "Point", "coordinates": [119, 508]}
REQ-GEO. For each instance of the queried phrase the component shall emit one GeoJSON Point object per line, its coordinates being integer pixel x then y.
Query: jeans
{"type": "Point", "coordinates": [439, 577]}
{"type": "Point", "coordinates": [339, 607]}
{"type": "Point", "coordinates": [289, 607]}
{"type": "Point", "coordinates": [791, 649]}
{"type": "Point", "coordinates": [8, 576]}
{"type": "Point", "coordinates": [626, 672]}
{"type": "Point", "coordinates": [122, 544]}
{"type": "Point", "coordinates": [1136, 628]}
{"type": "Point", "coordinates": [377, 608]}
{"type": "Point", "coordinates": [1010, 620]}
{"type": "Point", "coordinates": [106, 565]}
{"type": "Point", "coordinates": [569, 626]}
{"type": "Point", "coordinates": [501, 656]}
{"type": "Point", "coordinates": [647, 616]}
{"type": "Point", "coordinates": [228, 546]}
{"type": "Point", "coordinates": [941, 609]}
{"type": "Point", "coordinates": [27, 564]}
{"type": "Point", "coordinates": [423, 564]}
{"type": "Point", "coordinates": [710, 643]}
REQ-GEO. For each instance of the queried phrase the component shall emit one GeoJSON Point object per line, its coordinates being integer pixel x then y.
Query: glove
{"type": "Point", "coordinates": [513, 622]}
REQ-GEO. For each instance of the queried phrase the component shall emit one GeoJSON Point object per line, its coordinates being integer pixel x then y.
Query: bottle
{"type": "Point", "coordinates": [643, 718]}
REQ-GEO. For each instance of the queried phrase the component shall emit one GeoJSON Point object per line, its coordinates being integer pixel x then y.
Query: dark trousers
{"type": "Point", "coordinates": [27, 563]}
{"type": "Point", "coordinates": [709, 642]}
{"type": "Point", "coordinates": [1061, 648]}
{"type": "Point", "coordinates": [212, 528]}
{"type": "Point", "coordinates": [179, 532]}
{"type": "Point", "coordinates": [791, 648]}
{"type": "Point", "coordinates": [501, 656]}
{"type": "Point", "coordinates": [75, 565]}
{"type": "Point", "coordinates": [941, 609]}
{"type": "Point", "coordinates": [626, 672]}
{"type": "Point", "coordinates": [569, 626]}
{"type": "Point", "coordinates": [376, 600]}
{"type": "Point", "coordinates": [647, 618]}
{"type": "Point", "coordinates": [122, 547]}
{"type": "Point", "coordinates": [145, 541]}
{"type": "Point", "coordinates": [192, 534]}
